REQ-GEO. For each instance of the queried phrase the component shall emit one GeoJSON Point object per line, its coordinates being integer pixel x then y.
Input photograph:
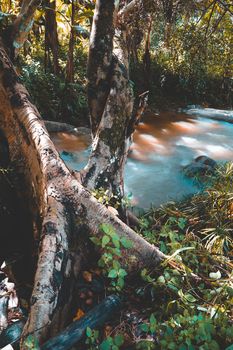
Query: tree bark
{"type": "Point", "coordinates": [70, 60]}
{"type": "Point", "coordinates": [63, 212]}
{"type": "Point", "coordinates": [99, 70]}
{"type": "Point", "coordinates": [111, 104]}
{"type": "Point", "coordinates": [51, 36]}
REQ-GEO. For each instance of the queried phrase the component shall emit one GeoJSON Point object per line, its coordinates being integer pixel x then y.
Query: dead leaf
{"type": "Point", "coordinates": [78, 315]}
{"type": "Point", "coordinates": [87, 276]}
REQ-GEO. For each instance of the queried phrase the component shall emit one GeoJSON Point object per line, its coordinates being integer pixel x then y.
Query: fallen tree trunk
{"type": "Point", "coordinates": [63, 212]}
{"type": "Point", "coordinates": [95, 318]}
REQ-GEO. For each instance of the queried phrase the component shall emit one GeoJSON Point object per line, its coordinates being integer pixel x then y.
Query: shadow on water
{"type": "Point", "coordinates": [162, 145]}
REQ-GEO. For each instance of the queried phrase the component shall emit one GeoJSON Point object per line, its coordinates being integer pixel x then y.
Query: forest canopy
{"type": "Point", "coordinates": [190, 48]}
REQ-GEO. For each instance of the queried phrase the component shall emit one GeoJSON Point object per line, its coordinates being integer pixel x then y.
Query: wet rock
{"type": "Point", "coordinates": [52, 126]}
{"type": "Point", "coordinates": [200, 166]}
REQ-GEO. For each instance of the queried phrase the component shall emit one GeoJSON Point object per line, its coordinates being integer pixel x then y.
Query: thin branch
{"type": "Point", "coordinates": [217, 24]}
{"type": "Point", "coordinates": [211, 14]}
{"type": "Point", "coordinates": [227, 7]}
{"type": "Point", "coordinates": [128, 8]}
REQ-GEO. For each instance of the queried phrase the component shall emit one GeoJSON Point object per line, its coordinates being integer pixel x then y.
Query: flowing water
{"type": "Point", "coordinates": [162, 145]}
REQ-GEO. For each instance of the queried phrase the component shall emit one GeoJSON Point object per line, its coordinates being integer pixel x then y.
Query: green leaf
{"type": "Point", "coordinates": [161, 280]}
{"type": "Point", "coordinates": [144, 327]}
{"type": "Point", "coordinates": [95, 240]}
{"type": "Point", "coordinates": [112, 273]}
{"type": "Point", "coordinates": [116, 242]}
{"type": "Point", "coordinates": [119, 339]}
{"type": "Point", "coordinates": [152, 319]}
{"type": "Point", "coordinates": [126, 243]}
{"type": "Point", "coordinates": [190, 298]}
{"type": "Point", "coordinates": [182, 223]}
{"type": "Point", "coordinates": [88, 332]}
{"type": "Point", "coordinates": [122, 273]}
{"type": "Point", "coordinates": [105, 240]}
{"type": "Point", "coordinates": [106, 344]}
{"type": "Point", "coordinates": [106, 228]}
{"type": "Point", "coordinates": [116, 265]}
{"type": "Point", "coordinates": [120, 282]}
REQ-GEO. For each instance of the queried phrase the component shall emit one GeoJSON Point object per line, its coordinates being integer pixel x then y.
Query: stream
{"type": "Point", "coordinates": [162, 145]}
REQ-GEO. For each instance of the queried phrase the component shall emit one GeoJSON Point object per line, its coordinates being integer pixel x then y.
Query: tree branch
{"type": "Point", "coordinates": [22, 25]}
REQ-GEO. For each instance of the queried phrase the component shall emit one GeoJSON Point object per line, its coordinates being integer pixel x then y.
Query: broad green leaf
{"type": "Point", "coordinates": [105, 240]}
{"type": "Point", "coordinates": [88, 332]}
{"type": "Point", "coordinates": [119, 339]}
{"type": "Point", "coordinates": [122, 273]}
{"type": "Point", "coordinates": [112, 273]}
{"type": "Point", "coordinates": [144, 327]}
{"type": "Point", "coordinates": [126, 243]}
{"type": "Point", "coordinates": [106, 228]}
{"type": "Point", "coordinates": [106, 344]}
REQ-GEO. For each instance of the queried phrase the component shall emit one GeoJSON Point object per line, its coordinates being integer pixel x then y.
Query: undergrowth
{"type": "Point", "coordinates": [187, 303]}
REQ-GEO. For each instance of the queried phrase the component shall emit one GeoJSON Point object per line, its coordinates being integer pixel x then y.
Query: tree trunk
{"type": "Point", "coordinates": [95, 318]}
{"type": "Point", "coordinates": [111, 102]}
{"type": "Point", "coordinates": [51, 36]}
{"type": "Point", "coordinates": [63, 212]}
{"type": "Point", "coordinates": [70, 60]}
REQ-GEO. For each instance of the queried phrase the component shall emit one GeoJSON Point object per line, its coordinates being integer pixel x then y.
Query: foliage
{"type": "Point", "coordinates": [190, 55]}
{"type": "Point", "coordinates": [56, 99]}
{"type": "Point", "coordinates": [108, 198]}
{"type": "Point", "coordinates": [112, 244]}
{"type": "Point", "coordinates": [31, 343]}
{"type": "Point", "coordinates": [186, 303]}
{"type": "Point", "coordinates": [194, 293]}
{"type": "Point", "coordinates": [92, 338]}
{"type": "Point", "coordinates": [110, 343]}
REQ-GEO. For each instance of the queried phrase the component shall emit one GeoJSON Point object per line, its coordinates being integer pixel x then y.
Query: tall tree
{"type": "Point", "coordinates": [70, 59]}
{"type": "Point", "coordinates": [51, 36]}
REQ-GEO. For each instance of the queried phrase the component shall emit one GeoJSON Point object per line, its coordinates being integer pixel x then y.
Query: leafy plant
{"type": "Point", "coordinates": [112, 343]}
{"type": "Point", "coordinates": [92, 338]}
{"type": "Point", "coordinates": [31, 343]}
{"type": "Point", "coordinates": [112, 244]}
{"type": "Point", "coordinates": [107, 198]}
